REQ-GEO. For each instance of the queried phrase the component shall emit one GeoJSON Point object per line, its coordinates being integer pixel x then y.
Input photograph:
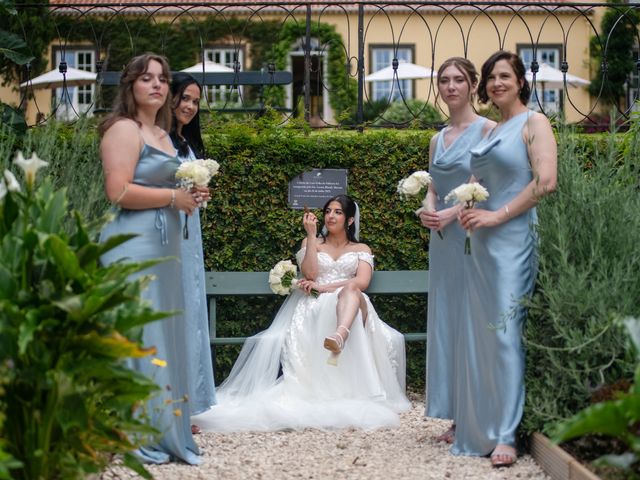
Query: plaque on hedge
{"type": "Point", "coordinates": [313, 188]}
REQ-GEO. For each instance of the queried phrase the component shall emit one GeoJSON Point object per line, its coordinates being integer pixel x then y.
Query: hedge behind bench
{"type": "Point", "coordinates": [248, 225]}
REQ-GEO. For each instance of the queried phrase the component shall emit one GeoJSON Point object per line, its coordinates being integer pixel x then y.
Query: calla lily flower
{"type": "Point", "coordinates": [30, 167]}
{"type": "Point", "coordinates": [12, 182]}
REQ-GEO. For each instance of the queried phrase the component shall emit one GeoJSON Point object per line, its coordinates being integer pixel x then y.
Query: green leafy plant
{"type": "Point", "coordinates": [614, 46]}
{"type": "Point", "coordinates": [414, 113]}
{"type": "Point", "coordinates": [619, 418]}
{"type": "Point", "coordinates": [12, 46]}
{"type": "Point", "coordinates": [66, 326]}
{"type": "Point", "coordinates": [7, 462]}
{"type": "Point", "coordinates": [589, 258]}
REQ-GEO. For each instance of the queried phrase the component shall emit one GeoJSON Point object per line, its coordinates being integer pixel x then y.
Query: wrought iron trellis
{"type": "Point", "coordinates": [424, 25]}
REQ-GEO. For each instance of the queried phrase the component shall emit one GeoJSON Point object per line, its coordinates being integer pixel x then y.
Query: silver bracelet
{"type": "Point", "coordinates": [506, 210]}
{"type": "Point", "coordinates": [172, 203]}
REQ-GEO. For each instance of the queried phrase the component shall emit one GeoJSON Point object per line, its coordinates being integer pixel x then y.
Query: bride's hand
{"type": "Point", "coordinates": [310, 223]}
{"type": "Point", "coordinates": [307, 285]}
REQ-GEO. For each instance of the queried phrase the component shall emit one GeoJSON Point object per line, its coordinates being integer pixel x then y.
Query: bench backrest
{"type": "Point", "coordinates": [256, 283]}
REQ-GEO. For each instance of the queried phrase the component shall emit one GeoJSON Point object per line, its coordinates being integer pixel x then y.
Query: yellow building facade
{"type": "Point", "coordinates": [423, 35]}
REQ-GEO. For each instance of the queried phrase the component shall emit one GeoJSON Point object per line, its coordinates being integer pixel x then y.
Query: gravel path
{"type": "Point", "coordinates": [408, 452]}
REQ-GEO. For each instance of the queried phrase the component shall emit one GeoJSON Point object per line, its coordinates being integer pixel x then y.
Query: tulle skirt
{"type": "Point", "coordinates": [283, 378]}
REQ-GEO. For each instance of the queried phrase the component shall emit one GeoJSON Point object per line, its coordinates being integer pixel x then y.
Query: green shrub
{"type": "Point", "coordinates": [618, 418]}
{"type": "Point", "coordinates": [412, 112]}
{"type": "Point", "coordinates": [589, 263]}
{"type": "Point", "coordinates": [66, 325]}
{"type": "Point", "coordinates": [74, 162]}
{"type": "Point", "coordinates": [7, 461]}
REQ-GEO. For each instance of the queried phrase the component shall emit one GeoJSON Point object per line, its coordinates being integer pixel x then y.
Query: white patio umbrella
{"type": "Point", "coordinates": [551, 77]}
{"type": "Point", "coordinates": [406, 71]}
{"type": "Point", "coordinates": [208, 67]}
{"type": "Point", "coordinates": [54, 79]}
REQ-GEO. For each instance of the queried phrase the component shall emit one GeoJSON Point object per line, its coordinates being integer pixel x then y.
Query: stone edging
{"type": "Point", "coordinates": [556, 462]}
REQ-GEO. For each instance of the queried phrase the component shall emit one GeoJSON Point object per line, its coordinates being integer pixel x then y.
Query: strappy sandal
{"type": "Point", "coordinates": [335, 343]}
{"type": "Point", "coordinates": [503, 456]}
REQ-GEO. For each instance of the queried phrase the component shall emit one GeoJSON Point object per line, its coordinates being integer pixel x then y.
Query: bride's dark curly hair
{"type": "Point", "coordinates": [349, 208]}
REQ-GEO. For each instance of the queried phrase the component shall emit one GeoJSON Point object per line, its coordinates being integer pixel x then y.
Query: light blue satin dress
{"type": "Point", "coordinates": [499, 272]}
{"type": "Point", "coordinates": [202, 394]}
{"type": "Point", "coordinates": [159, 236]}
{"type": "Point", "coordinates": [449, 168]}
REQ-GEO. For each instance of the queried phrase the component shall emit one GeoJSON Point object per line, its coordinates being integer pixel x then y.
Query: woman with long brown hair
{"type": "Point", "coordinates": [517, 164]}
{"type": "Point", "coordinates": [139, 164]}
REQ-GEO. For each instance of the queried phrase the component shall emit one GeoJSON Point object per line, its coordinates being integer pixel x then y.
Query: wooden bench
{"type": "Point", "coordinates": [220, 284]}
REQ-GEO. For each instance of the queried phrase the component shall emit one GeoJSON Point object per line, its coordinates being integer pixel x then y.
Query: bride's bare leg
{"type": "Point", "coordinates": [350, 300]}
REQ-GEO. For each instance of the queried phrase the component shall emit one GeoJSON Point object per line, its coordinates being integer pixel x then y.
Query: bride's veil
{"type": "Point", "coordinates": [258, 364]}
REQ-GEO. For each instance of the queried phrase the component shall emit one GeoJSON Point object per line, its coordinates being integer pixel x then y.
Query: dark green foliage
{"type": "Point", "coordinates": [615, 44]}
{"type": "Point", "coordinates": [618, 418]}
{"type": "Point", "coordinates": [589, 263]}
{"type": "Point", "coordinates": [24, 37]}
{"type": "Point", "coordinates": [410, 113]}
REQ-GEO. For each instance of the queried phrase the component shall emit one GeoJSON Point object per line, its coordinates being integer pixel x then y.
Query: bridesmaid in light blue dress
{"type": "Point", "coordinates": [139, 165]}
{"type": "Point", "coordinates": [516, 162]}
{"type": "Point", "coordinates": [449, 167]}
{"type": "Point", "coordinates": [186, 137]}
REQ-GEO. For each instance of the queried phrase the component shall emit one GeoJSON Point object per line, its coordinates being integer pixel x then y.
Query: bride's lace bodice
{"type": "Point", "coordinates": [344, 268]}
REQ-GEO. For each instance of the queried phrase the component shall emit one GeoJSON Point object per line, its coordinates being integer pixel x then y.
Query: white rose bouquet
{"type": "Point", "coordinates": [283, 278]}
{"type": "Point", "coordinates": [412, 186]}
{"type": "Point", "coordinates": [196, 173]}
{"type": "Point", "coordinates": [467, 194]}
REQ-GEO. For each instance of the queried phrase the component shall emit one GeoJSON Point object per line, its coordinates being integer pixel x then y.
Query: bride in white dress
{"type": "Point", "coordinates": [325, 362]}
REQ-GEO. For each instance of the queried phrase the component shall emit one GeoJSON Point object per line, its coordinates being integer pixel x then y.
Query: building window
{"type": "Point", "coordinates": [224, 94]}
{"type": "Point", "coordinates": [549, 98]}
{"type": "Point", "coordinates": [382, 57]}
{"type": "Point", "coordinates": [76, 100]}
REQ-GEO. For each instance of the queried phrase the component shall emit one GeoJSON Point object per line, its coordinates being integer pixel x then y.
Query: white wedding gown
{"type": "Point", "coordinates": [282, 379]}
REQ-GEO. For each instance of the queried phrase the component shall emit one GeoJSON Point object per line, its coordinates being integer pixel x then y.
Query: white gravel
{"type": "Point", "coordinates": [407, 452]}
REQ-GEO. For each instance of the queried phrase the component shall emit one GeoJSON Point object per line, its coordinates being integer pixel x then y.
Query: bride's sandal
{"type": "Point", "coordinates": [335, 343]}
